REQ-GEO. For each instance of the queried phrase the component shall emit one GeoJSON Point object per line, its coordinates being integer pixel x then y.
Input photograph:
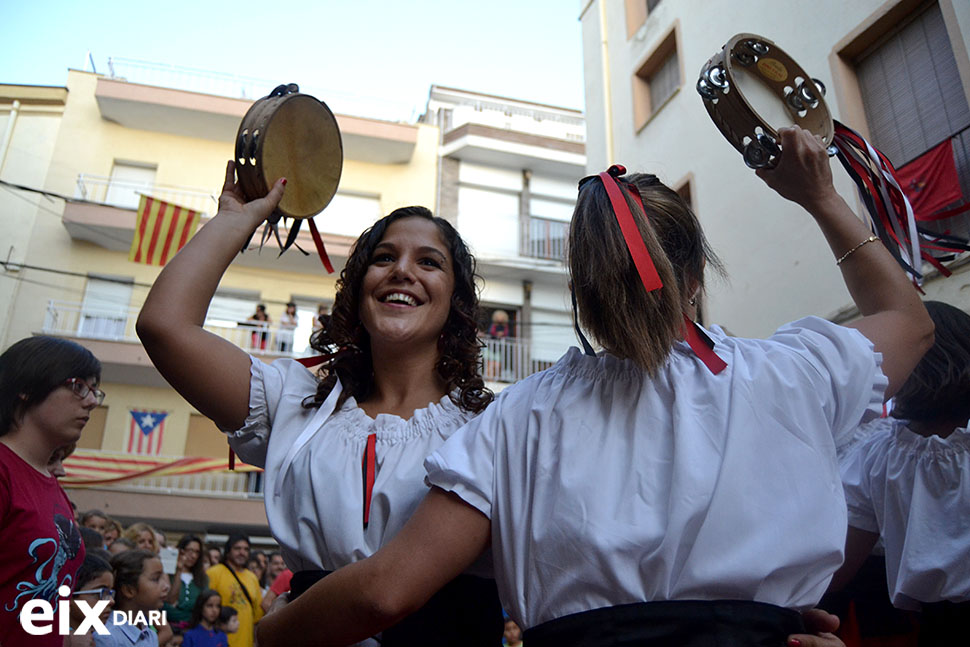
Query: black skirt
{"type": "Point", "coordinates": [688, 623]}
{"type": "Point", "coordinates": [466, 612]}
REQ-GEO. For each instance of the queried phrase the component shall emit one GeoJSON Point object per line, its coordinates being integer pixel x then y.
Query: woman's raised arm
{"type": "Point", "coordinates": [893, 317]}
{"type": "Point", "coordinates": [208, 371]}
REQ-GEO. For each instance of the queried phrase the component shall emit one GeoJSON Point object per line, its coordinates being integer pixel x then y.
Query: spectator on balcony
{"type": "Point", "coordinates": [143, 536]}
{"type": "Point", "coordinates": [48, 388]}
{"type": "Point", "coordinates": [187, 582]}
{"type": "Point", "coordinates": [498, 330]}
{"type": "Point", "coordinates": [323, 312]}
{"type": "Point", "coordinates": [288, 324]}
{"type": "Point", "coordinates": [681, 484]}
{"type": "Point", "coordinates": [259, 320]}
{"type": "Point", "coordinates": [400, 376]}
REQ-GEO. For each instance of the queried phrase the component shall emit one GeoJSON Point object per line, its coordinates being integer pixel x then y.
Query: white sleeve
{"type": "Point", "coordinates": [267, 386]}
{"type": "Point", "coordinates": [465, 463]}
{"type": "Point", "coordinates": [857, 486]}
{"type": "Point", "coordinates": [842, 368]}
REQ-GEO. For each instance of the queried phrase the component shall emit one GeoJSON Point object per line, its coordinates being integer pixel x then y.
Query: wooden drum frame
{"type": "Point", "coordinates": [291, 135]}
{"type": "Point", "coordinates": [738, 121]}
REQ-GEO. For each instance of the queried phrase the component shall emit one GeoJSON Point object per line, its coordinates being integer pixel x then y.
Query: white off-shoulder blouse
{"type": "Point", "coordinates": [314, 486]}
{"type": "Point", "coordinates": [915, 492]}
{"type": "Point", "coordinates": [606, 486]}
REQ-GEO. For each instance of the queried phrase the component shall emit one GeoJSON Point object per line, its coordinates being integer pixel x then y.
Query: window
{"type": "Point", "coordinates": [128, 181]}
{"type": "Point", "coordinates": [636, 14]}
{"type": "Point", "coordinates": [657, 79]}
{"type": "Point", "coordinates": [914, 99]}
{"type": "Point", "coordinates": [104, 312]}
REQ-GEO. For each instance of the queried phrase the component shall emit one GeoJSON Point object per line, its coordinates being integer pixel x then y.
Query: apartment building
{"type": "Point", "coordinates": [74, 162]}
{"type": "Point", "coordinates": [896, 70]}
{"type": "Point", "coordinates": [507, 181]}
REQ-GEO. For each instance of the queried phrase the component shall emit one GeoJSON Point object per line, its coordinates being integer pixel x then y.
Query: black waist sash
{"type": "Point", "coordinates": [688, 623]}
{"type": "Point", "coordinates": [465, 612]}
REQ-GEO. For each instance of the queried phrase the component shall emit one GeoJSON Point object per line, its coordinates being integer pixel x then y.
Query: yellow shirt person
{"type": "Point", "coordinates": [238, 588]}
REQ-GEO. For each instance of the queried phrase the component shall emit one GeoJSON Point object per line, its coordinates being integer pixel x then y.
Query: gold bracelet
{"type": "Point", "coordinates": [870, 239]}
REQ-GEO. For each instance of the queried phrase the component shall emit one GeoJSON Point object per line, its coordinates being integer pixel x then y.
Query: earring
{"type": "Point", "coordinates": [692, 301]}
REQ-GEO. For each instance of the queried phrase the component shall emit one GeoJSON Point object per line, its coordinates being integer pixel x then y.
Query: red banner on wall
{"type": "Point", "coordinates": [930, 181]}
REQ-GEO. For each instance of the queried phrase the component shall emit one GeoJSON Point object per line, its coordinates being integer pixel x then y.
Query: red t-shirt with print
{"type": "Point", "coordinates": [40, 546]}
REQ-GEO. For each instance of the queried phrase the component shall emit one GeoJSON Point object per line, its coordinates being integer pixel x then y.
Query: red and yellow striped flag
{"type": "Point", "coordinates": [161, 230]}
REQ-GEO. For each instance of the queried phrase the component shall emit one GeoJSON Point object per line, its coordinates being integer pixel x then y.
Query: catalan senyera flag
{"type": "Point", "coordinates": [161, 230]}
{"type": "Point", "coordinates": [92, 468]}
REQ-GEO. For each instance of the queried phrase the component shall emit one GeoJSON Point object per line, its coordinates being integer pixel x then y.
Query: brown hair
{"type": "Point", "coordinates": [614, 307]}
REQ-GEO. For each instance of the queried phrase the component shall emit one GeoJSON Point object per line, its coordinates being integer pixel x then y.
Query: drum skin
{"type": "Point", "coordinates": [294, 136]}
{"type": "Point", "coordinates": [735, 117]}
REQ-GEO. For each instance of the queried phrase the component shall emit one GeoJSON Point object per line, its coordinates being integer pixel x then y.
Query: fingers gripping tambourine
{"type": "Point", "coordinates": [291, 135]}
{"type": "Point", "coordinates": [744, 125]}
{"type": "Point", "coordinates": [750, 78]}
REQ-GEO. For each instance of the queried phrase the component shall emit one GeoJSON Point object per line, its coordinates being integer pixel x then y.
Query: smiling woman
{"type": "Point", "coordinates": [48, 387]}
{"type": "Point", "coordinates": [399, 376]}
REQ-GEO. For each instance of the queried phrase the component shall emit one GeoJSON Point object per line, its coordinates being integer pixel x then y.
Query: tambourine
{"type": "Point", "coordinates": [747, 128]}
{"type": "Point", "coordinates": [777, 84]}
{"type": "Point", "coordinates": [291, 135]}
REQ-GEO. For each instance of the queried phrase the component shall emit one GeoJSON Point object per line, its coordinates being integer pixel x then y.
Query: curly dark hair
{"type": "Point", "coordinates": [345, 341]}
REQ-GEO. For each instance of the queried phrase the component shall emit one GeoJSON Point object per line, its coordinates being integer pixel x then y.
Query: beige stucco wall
{"type": "Point", "coordinates": [50, 151]}
{"type": "Point", "coordinates": [779, 266]}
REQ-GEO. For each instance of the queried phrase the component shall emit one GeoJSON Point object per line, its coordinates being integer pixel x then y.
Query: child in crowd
{"type": "Point", "coordinates": [205, 617]}
{"type": "Point", "coordinates": [140, 587]}
{"type": "Point", "coordinates": [95, 582]}
{"type": "Point", "coordinates": [228, 620]}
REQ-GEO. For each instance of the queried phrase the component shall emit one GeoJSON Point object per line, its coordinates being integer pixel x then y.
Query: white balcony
{"type": "Point", "coordinates": [508, 360]}
{"type": "Point", "coordinates": [72, 319]}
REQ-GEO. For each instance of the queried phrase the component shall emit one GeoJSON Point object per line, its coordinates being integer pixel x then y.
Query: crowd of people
{"type": "Point", "coordinates": [212, 595]}
{"type": "Point", "coordinates": [679, 485]}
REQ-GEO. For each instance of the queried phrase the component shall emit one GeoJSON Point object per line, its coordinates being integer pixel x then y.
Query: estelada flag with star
{"type": "Point", "coordinates": [145, 432]}
{"type": "Point", "coordinates": [161, 230]}
{"type": "Point", "coordinates": [930, 181]}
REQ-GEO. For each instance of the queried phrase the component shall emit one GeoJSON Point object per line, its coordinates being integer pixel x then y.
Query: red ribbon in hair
{"type": "Point", "coordinates": [634, 242]}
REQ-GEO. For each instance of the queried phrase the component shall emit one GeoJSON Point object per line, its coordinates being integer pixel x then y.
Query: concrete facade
{"type": "Point", "coordinates": [778, 264]}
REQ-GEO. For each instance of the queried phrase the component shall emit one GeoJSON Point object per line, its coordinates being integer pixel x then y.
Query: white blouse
{"type": "Point", "coordinates": [314, 486]}
{"type": "Point", "coordinates": [607, 487]}
{"type": "Point", "coordinates": [915, 492]}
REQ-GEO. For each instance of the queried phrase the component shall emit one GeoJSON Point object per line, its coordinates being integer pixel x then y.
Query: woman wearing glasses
{"type": "Point", "coordinates": [48, 387]}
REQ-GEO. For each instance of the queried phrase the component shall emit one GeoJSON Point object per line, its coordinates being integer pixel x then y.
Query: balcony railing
{"type": "Point", "coordinates": [118, 324]}
{"type": "Point", "coordinates": [509, 360]}
{"type": "Point", "coordinates": [125, 194]}
{"type": "Point", "coordinates": [505, 360]}
{"type": "Point", "coordinates": [215, 483]}
{"type": "Point", "coordinates": [546, 238]}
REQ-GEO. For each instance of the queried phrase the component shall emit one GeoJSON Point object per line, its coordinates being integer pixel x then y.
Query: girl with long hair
{"type": "Point", "coordinates": [188, 580]}
{"type": "Point", "coordinates": [680, 486]}
{"type": "Point", "coordinates": [343, 445]}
